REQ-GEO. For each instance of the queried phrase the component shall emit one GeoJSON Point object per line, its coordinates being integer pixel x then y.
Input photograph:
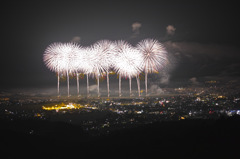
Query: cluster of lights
{"type": "Point", "coordinates": [62, 107]}
{"type": "Point", "coordinates": [104, 56]}
{"type": "Point", "coordinates": [67, 107]}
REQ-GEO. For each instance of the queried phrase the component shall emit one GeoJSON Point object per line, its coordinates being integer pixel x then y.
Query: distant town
{"type": "Point", "coordinates": [102, 115]}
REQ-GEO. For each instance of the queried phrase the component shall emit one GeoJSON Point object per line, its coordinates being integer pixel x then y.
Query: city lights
{"type": "Point", "coordinates": [67, 107]}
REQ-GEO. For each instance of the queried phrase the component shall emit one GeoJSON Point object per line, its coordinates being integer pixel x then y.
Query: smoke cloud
{"type": "Point", "coordinates": [93, 88]}
{"type": "Point", "coordinates": [136, 28]}
{"type": "Point", "coordinates": [155, 90]}
{"type": "Point", "coordinates": [164, 79]}
{"type": "Point", "coordinates": [76, 39]}
{"type": "Point", "coordinates": [170, 29]}
{"type": "Point", "coordinates": [194, 81]}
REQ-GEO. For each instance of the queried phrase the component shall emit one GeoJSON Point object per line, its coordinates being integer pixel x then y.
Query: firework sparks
{"type": "Point", "coordinates": [103, 50]}
{"type": "Point", "coordinates": [78, 64]}
{"type": "Point", "coordinates": [154, 56]}
{"type": "Point", "coordinates": [58, 57]}
{"type": "Point", "coordinates": [127, 62]}
{"type": "Point", "coordinates": [53, 59]}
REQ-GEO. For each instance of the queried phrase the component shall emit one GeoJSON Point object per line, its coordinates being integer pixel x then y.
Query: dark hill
{"type": "Point", "coordinates": [173, 139]}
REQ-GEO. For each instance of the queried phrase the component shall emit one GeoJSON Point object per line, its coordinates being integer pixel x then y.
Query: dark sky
{"type": "Point", "coordinates": [203, 44]}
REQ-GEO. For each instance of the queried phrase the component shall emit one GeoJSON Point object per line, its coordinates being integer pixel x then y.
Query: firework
{"type": "Point", "coordinates": [154, 56]}
{"type": "Point", "coordinates": [58, 57]}
{"type": "Point", "coordinates": [53, 59]}
{"type": "Point", "coordinates": [98, 59]}
{"type": "Point", "coordinates": [89, 61]}
{"type": "Point", "coordinates": [127, 62]}
{"type": "Point", "coordinates": [104, 51]}
{"type": "Point", "coordinates": [78, 63]}
{"type": "Point", "coordinates": [69, 51]}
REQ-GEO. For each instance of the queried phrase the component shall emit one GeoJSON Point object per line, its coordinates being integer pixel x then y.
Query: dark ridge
{"type": "Point", "coordinates": [186, 138]}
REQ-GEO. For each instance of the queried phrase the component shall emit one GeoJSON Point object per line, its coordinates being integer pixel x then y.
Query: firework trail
{"type": "Point", "coordinates": [69, 51]}
{"type": "Point", "coordinates": [79, 63]}
{"type": "Point", "coordinates": [138, 84]}
{"type": "Point", "coordinates": [58, 57]}
{"type": "Point", "coordinates": [92, 65]}
{"type": "Point", "coordinates": [127, 62]}
{"type": "Point", "coordinates": [154, 56]}
{"type": "Point", "coordinates": [104, 51]}
{"type": "Point", "coordinates": [53, 58]}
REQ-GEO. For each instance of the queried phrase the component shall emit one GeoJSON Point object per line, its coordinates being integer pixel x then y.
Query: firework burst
{"type": "Point", "coordinates": [58, 57]}
{"type": "Point", "coordinates": [127, 62]}
{"type": "Point", "coordinates": [154, 56]}
{"type": "Point", "coordinates": [78, 63]}
{"type": "Point", "coordinates": [98, 60]}
{"type": "Point", "coordinates": [52, 58]}
{"type": "Point", "coordinates": [104, 50]}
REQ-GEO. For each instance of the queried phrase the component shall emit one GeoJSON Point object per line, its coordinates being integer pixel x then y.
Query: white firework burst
{"type": "Point", "coordinates": [104, 51]}
{"type": "Point", "coordinates": [154, 56]}
{"type": "Point", "coordinates": [128, 62]}
{"type": "Point", "coordinates": [58, 57]}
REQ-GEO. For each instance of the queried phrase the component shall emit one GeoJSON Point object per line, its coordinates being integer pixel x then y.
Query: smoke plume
{"type": "Point", "coordinates": [170, 29]}
{"type": "Point", "coordinates": [136, 28]}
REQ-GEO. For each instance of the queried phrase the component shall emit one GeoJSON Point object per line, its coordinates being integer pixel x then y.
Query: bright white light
{"type": "Point", "coordinates": [104, 56]}
{"type": "Point", "coordinates": [128, 60]}
{"type": "Point", "coordinates": [154, 55]}
{"type": "Point", "coordinates": [59, 57]}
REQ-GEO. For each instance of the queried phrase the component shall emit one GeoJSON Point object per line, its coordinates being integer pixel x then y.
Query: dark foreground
{"type": "Point", "coordinates": [168, 139]}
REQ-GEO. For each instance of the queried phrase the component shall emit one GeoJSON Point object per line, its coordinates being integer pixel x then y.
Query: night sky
{"type": "Point", "coordinates": [202, 38]}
